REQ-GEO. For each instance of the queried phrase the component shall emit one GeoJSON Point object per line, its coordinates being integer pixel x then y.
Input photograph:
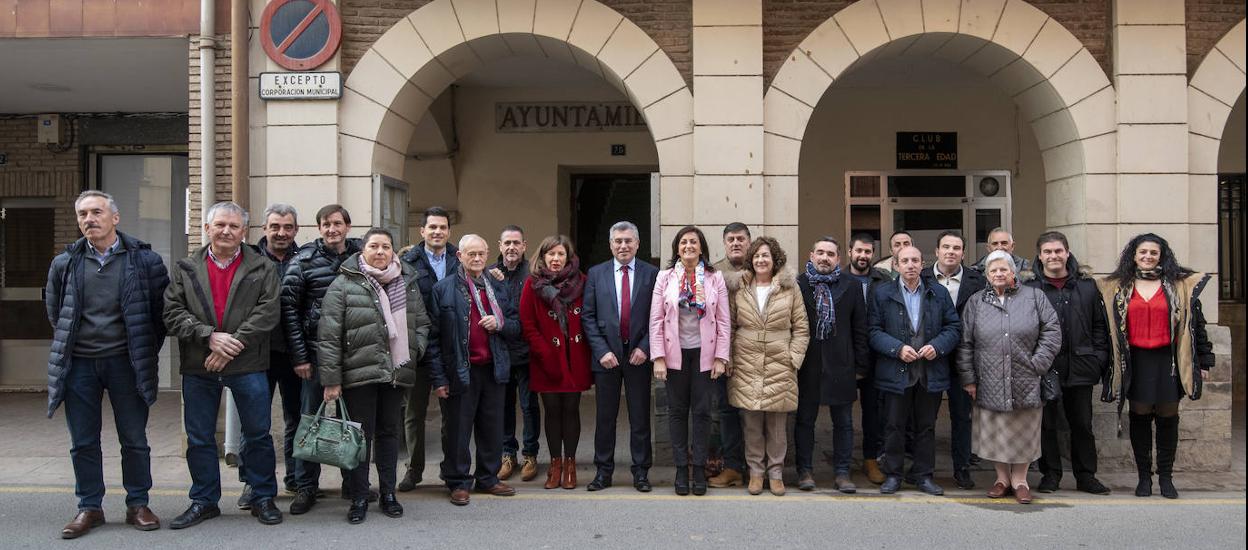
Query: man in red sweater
{"type": "Point", "coordinates": [221, 305]}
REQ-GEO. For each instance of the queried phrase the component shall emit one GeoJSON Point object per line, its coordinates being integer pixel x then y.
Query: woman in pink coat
{"type": "Point", "coordinates": [689, 336]}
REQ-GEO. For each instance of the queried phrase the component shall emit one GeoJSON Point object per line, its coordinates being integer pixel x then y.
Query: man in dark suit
{"type": "Point", "coordinates": [961, 282]}
{"type": "Point", "coordinates": [616, 318]}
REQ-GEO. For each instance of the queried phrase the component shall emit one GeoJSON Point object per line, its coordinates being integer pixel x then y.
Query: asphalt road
{"type": "Point", "coordinates": [31, 517]}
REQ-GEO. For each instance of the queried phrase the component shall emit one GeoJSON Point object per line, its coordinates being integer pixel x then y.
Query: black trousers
{"type": "Point", "coordinates": [870, 401]}
{"type": "Point", "coordinates": [634, 380]}
{"type": "Point", "coordinates": [379, 409]}
{"type": "Point", "coordinates": [689, 398]}
{"type": "Point", "coordinates": [1076, 406]}
{"type": "Point", "coordinates": [473, 416]}
{"type": "Point", "coordinates": [563, 423]}
{"type": "Point", "coordinates": [917, 406]}
{"type": "Point", "coordinates": [809, 390]}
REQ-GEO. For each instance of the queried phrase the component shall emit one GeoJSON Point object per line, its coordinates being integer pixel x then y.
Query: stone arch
{"type": "Point", "coordinates": [1215, 87]}
{"type": "Point", "coordinates": [397, 79]}
{"type": "Point", "coordinates": [1062, 92]}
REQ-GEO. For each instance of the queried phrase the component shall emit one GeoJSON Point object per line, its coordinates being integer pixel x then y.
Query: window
{"type": "Point", "coordinates": [390, 206]}
{"type": "Point", "coordinates": [26, 248]}
{"type": "Point", "coordinates": [1232, 237]}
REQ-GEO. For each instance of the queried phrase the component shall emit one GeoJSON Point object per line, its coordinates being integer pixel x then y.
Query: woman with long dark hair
{"type": "Point", "coordinates": [1161, 350]}
{"type": "Point", "coordinates": [550, 316]}
{"type": "Point", "coordinates": [689, 335]}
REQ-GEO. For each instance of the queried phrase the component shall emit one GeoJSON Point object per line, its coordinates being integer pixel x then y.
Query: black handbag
{"type": "Point", "coordinates": [1050, 386]}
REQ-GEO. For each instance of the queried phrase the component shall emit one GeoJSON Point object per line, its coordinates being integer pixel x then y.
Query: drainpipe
{"type": "Point", "coordinates": [240, 180]}
{"type": "Point", "coordinates": [207, 111]}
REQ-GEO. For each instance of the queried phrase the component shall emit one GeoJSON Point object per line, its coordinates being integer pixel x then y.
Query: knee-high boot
{"type": "Point", "coordinates": [1142, 447]}
{"type": "Point", "coordinates": [1167, 447]}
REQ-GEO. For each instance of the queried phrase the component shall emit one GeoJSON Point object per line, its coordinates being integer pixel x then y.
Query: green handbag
{"type": "Point", "coordinates": [328, 440]}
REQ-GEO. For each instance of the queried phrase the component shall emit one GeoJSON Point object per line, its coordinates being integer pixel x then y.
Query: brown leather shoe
{"type": "Point", "coordinates": [83, 523]}
{"type": "Point", "coordinates": [554, 474]}
{"type": "Point", "coordinates": [528, 469]}
{"type": "Point", "coordinates": [998, 490]}
{"type": "Point", "coordinates": [142, 518]}
{"type": "Point", "coordinates": [727, 478]}
{"type": "Point", "coordinates": [1022, 494]}
{"type": "Point", "coordinates": [499, 489]}
{"type": "Point", "coordinates": [509, 464]}
{"type": "Point", "coordinates": [871, 467]}
{"type": "Point", "coordinates": [459, 497]}
{"type": "Point", "coordinates": [776, 486]}
{"type": "Point", "coordinates": [569, 473]}
{"type": "Point", "coordinates": [756, 485]}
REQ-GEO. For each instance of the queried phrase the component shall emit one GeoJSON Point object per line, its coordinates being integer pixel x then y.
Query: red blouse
{"type": "Point", "coordinates": [1148, 321]}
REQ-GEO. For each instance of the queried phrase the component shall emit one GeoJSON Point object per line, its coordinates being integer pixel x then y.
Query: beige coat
{"type": "Point", "coordinates": [767, 346]}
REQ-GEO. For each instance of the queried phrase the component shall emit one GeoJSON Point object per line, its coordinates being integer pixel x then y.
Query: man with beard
{"type": "Point", "coordinates": [303, 287]}
{"type": "Point", "coordinates": [512, 268]}
{"type": "Point", "coordinates": [434, 257]}
{"type": "Point", "coordinates": [736, 242]}
{"type": "Point", "coordinates": [961, 283]}
{"type": "Point", "coordinates": [836, 359]}
{"type": "Point", "coordinates": [1082, 362]}
{"type": "Point", "coordinates": [861, 252]}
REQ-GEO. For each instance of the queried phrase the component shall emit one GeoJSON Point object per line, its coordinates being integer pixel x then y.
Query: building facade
{"type": "Point", "coordinates": [1099, 118]}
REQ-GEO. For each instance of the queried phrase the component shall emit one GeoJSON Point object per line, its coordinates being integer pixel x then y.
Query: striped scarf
{"type": "Point", "coordinates": [392, 293]}
{"type": "Point", "coordinates": [824, 312]}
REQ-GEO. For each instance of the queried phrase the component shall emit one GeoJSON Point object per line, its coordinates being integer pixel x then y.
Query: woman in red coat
{"type": "Point", "coordinates": [550, 315]}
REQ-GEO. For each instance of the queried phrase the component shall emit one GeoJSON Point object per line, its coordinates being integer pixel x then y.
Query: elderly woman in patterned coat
{"type": "Point", "coordinates": [1010, 334]}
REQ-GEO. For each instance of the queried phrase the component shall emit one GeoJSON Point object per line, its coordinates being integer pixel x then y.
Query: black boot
{"type": "Point", "coordinates": [1167, 446]}
{"type": "Point", "coordinates": [699, 480]}
{"type": "Point", "coordinates": [682, 480]}
{"type": "Point", "coordinates": [1142, 447]}
{"type": "Point", "coordinates": [358, 511]}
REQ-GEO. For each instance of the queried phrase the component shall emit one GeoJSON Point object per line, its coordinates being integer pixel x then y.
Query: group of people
{"type": "Point", "coordinates": [1015, 347]}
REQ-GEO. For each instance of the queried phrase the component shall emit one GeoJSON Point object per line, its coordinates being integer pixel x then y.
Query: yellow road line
{"type": "Point", "coordinates": [426, 494]}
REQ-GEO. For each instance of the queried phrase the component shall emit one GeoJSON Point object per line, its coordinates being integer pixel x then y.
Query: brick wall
{"type": "Point", "coordinates": [194, 165]}
{"type": "Point", "coordinates": [1207, 21]}
{"type": "Point", "coordinates": [787, 22]}
{"type": "Point", "coordinates": [668, 22]}
{"type": "Point", "coordinates": [34, 170]}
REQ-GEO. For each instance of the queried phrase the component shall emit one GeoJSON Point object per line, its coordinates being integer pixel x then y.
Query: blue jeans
{"type": "Point", "coordinates": [842, 436]}
{"type": "Point", "coordinates": [84, 392]}
{"type": "Point", "coordinates": [730, 436]}
{"type": "Point", "coordinates": [530, 409]}
{"type": "Point", "coordinates": [308, 473]}
{"type": "Point", "coordinates": [201, 398]}
{"type": "Point", "coordinates": [959, 427]}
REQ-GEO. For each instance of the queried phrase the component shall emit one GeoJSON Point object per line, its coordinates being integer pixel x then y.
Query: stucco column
{"type": "Point", "coordinates": [728, 117]}
{"type": "Point", "coordinates": [294, 148]}
{"type": "Point", "coordinates": [1154, 193]}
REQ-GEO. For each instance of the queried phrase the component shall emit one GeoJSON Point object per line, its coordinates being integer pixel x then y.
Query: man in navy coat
{"type": "Point", "coordinates": [616, 318]}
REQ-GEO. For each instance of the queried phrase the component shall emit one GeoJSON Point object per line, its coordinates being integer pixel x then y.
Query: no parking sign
{"type": "Point", "coordinates": [300, 34]}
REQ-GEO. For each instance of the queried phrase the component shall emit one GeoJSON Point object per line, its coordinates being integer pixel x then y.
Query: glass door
{"type": "Point", "coordinates": [925, 222]}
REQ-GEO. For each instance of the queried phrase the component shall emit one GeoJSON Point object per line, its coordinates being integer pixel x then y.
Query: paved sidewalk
{"type": "Point", "coordinates": [36, 454]}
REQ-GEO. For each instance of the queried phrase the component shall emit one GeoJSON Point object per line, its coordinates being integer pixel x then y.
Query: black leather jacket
{"type": "Point", "coordinates": [307, 278]}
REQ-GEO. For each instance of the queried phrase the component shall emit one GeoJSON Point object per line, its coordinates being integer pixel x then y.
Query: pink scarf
{"type": "Point", "coordinates": [392, 292]}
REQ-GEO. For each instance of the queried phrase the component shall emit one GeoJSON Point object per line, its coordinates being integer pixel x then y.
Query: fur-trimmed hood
{"type": "Point", "coordinates": [736, 280]}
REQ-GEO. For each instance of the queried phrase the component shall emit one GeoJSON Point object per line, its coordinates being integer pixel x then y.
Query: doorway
{"type": "Point", "coordinates": [601, 200]}
{"type": "Point", "coordinates": [925, 203]}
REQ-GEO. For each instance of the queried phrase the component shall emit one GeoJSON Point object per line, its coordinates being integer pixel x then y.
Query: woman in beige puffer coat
{"type": "Point", "coordinates": [770, 333]}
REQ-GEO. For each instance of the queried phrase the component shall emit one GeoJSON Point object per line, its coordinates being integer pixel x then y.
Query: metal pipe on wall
{"type": "Point", "coordinates": [240, 180]}
{"type": "Point", "coordinates": [207, 110]}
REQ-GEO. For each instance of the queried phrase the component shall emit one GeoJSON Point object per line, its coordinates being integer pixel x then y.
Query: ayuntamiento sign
{"type": "Point", "coordinates": [567, 117]}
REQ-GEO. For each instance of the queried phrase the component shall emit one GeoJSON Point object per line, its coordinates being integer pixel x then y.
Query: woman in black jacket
{"type": "Point", "coordinates": [1161, 349]}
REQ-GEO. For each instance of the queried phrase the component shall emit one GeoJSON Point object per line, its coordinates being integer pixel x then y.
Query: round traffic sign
{"type": "Point", "coordinates": [300, 34]}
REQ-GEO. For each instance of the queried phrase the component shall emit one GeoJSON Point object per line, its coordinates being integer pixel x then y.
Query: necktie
{"type": "Point", "coordinates": [625, 304]}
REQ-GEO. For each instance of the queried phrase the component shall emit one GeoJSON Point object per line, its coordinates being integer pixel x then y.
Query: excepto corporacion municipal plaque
{"type": "Point", "coordinates": [301, 85]}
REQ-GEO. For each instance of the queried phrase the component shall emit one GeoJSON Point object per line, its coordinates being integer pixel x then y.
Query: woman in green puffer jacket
{"type": "Point", "coordinates": [373, 331]}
